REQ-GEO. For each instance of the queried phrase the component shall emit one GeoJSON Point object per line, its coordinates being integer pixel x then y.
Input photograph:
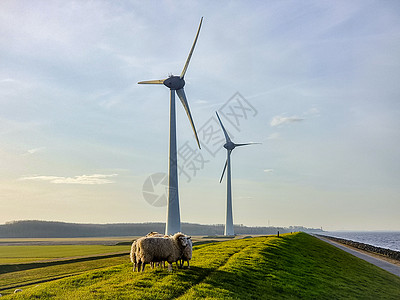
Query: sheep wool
{"type": "Point", "coordinates": [156, 234]}
{"type": "Point", "coordinates": [157, 249]}
{"type": "Point", "coordinates": [187, 252]}
{"type": "Point", "coordinates": [133, 255]}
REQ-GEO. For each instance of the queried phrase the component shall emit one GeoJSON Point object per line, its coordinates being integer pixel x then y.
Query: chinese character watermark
{"type": "Point", "coordinates": [191, 160]}
{"type": "Point", "coordinates": [237, 109]}
{"type": "Point", "coordinates": [155, 189]}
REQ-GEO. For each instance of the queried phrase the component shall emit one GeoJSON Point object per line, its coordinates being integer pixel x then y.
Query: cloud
{"type": "Point", "coordinates": [7, 80]}
{"type": "Point", "coordinates": [202, 102]}
{"type": "Point", "coordinates": [280, 120]}
{"type": "Point", "coordinates": [312, 112]}
{"type": "Point", "coordinates": [82, 179]}
{"type": "Point", "coordinates": [269, 170]}
{"type": "Point", "coordinates": [34, 150]}
{"type": "Point", "coordinates": [244, 197]}
{"type": "Point", "coordinates": [274, 136]}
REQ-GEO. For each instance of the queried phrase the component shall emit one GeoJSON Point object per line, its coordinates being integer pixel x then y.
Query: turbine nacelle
{"type": "Point", "coordinates": [174, 82]}
{"type": "Point", "coordinates": [229, 146]}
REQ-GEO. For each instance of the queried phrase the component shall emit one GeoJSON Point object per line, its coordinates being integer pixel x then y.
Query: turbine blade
{"type": "Point", "coordinates": [182, 96]}
{"type": "Point", "coordinates": [238, 145]}
{"type": "Point", "coordinates": [223, 172]}
{"type": "Point", "coordinates": [223, 129]}
{"type": "Point", "coordinates": [191, 51]}
{"type": "Point", "coordinates": [160, 81]}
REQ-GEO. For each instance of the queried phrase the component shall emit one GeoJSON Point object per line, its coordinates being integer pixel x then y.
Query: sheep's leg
{"type": "Point", "coordinates": [143, 265]}
{"type": "Point", "coordinates": [139, 266]}
{"type": "Point", "coordinates": [188, 264]}
{"type": "Point", "coordinates": [169, 267]}
{"type": "Point", "coordinates": [152, 265]}
{"type": "Point", "coordinates": [134, 267]}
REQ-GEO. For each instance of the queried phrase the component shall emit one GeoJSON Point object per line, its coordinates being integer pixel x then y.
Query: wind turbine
{"type": "Point", "coordinates": [229, 146]}
{"type": "Point", "coordinates": [175, 84]}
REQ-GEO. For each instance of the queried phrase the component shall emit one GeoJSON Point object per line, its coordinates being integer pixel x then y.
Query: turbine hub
{"type": "Point", "coordinates": [174, 82]}
{"type": "Point", "coordinates": [229, 146]}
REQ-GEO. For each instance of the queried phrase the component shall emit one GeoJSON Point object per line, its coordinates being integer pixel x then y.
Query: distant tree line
{"type": "Point", "coordinates": [48, 229]}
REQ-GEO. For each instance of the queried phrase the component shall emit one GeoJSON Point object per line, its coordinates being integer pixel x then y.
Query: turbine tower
{"type": "Point", "coordinates": [229, 146]}
{"type": "Point", "coordinates": [175, 84]}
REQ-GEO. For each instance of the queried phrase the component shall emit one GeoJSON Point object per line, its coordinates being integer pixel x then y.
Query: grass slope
{"type": "Point", "coordinates": [295, 266]}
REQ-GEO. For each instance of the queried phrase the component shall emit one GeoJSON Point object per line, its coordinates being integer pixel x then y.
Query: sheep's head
{"type": "Point", "coordinates": [182, 239]}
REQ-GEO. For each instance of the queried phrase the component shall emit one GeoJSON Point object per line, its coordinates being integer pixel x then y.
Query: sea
{"type": "Point", "coordinates": [383, 239]}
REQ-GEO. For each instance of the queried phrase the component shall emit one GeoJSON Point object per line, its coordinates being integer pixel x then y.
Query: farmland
{"type": "Point", "coordinates": [23, 254]}
{"type": "Point", "coordinates": [32, 264]}
{"type": "Point", "coordinates": [292, 266]}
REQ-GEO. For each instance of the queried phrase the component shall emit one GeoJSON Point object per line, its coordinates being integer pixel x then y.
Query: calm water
{"type": "Point", "coordinates": [388, 240]}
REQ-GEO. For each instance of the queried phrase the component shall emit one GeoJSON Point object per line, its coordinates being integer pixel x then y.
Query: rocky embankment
{"type": "Point", "coordinates": [382, 251]}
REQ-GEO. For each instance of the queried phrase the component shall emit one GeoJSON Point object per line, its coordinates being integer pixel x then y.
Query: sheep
{"type": "Point", "coordinates": [133, 249]}
{"type": "Point", "coordinates": [156, 249]}
{"type": "Point", "coordinates": [133, 255]}
{"type": "Point", "coordinates": [156, 234]}
{"type": "Point", "coordinates": [187, 252]}
{"type": "Point", "coordinates": [17, 291]}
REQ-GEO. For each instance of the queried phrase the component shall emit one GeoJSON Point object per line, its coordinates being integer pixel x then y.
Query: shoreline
{"type": "Point", "coordinates": [367, 249]}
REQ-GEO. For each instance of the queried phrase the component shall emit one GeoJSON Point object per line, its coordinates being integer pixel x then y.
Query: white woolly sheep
{"type": "Point", "coordinates": [133, 255]}
{"type": "Point", "coordinates": [157, 249]}
{"type": "Point", "coordinates": [187, 252]}
{"type": "Point", "coordinates": [156, 234]}
{"type": "Point", "coordinates": [17, 291]}
{"type": "Point", "coordinates": [133, 249]}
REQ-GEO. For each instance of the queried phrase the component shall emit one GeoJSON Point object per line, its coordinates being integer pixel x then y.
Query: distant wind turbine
{"type": "Point", "coordinates": [175, 83]}
{"type": "Point", "coordinates": [229, 146]}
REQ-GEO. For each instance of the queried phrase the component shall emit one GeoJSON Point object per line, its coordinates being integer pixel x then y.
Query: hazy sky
{"type": "Point", "coordinates": [316, 82]}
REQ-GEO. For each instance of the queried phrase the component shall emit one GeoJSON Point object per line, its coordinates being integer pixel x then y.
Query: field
{"type": "Point", "coordinates": [23, 254]}
{"type": "Point", "coordinates": [293, 266]}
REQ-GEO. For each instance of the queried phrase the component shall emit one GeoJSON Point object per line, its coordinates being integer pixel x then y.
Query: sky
{"type": "Point", "coordinates": [316, 82]}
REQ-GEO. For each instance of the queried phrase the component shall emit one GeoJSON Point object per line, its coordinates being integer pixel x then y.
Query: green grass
{"type": "Point", "coordinates": [9, 281]}
{"type": "Point", "coordinates": [24, 254]}
{"type": "Point", "coordinates": [295, 266]}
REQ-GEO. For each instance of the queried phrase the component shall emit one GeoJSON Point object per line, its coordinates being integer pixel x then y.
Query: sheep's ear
{"type": "Point", "coordinates": [189, 237]}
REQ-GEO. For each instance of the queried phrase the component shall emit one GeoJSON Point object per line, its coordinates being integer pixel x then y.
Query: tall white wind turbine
{"type": "Point", "coordinates": [229, 146]}
{"type": "Point", "coordinates": [175, 84]}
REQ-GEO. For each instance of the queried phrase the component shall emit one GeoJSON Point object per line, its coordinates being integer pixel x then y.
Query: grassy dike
{"type": "Point", "coordinates": [294, 266]}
